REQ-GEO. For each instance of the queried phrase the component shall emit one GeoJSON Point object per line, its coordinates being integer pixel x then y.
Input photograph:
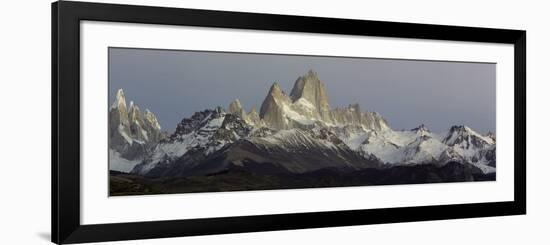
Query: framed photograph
{"type": "Point", "coordinates": [176, 122]}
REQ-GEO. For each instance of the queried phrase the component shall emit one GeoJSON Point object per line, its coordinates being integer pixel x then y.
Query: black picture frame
{"type": "Point", "coordinates": [65, 171]}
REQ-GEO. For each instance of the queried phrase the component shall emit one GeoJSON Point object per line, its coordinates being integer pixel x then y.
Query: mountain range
{"type": "Point", "coordinates": [292, 134]}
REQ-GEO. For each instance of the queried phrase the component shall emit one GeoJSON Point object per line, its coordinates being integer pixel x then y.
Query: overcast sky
{"type": "Point", "coordinates": [175, 84]}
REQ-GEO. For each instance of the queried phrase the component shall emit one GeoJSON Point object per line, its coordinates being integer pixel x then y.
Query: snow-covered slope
{"type": "Point", "coordinates": [206, 132]}
{"type": "Point", "coordinates": [261, 150]}
{"type": "Point", "coordinates": [467, 145]}
{"type": "Point", "coordinates": [118, 163]}
{"type": "Point", "coordinates": [305, 150]}
{"type": "Point", "coordinates": [419, 145]}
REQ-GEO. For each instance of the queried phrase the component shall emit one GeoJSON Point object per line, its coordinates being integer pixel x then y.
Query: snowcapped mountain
{"type": "Point", "coordinates": [131, 133]}
{"type": "Point", "coordinates": [467, 145]}
{"type": "Point", "coordinates": [195, 138]}
{"type": "Point", "coordinates": [297, 133]}
{"type": "Point", "coordinates": [419, 145]}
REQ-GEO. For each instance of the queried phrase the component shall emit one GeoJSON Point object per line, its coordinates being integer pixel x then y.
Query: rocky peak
{"type": "Point", "coordinates": [350, 115]}
{"type": "Point", "coordinates": [456, 134]}
{"type": "Point", "coordinates": [465, 137]}
{"type": "Point", "coordinates": [138, 128]}
{"type": "Point", "coordinates": [272, 110]}
{"type": "Point", "coordinates": [120, 101]}
{"type": "Point", "coordinates": [196, 121]}
{"type": "Point", "coordinates": [310, 87]}
{"type": "Point", "coordinates": [275, 89]}
{"type": "Point", "coordinates": [463, 130]}
{"type": "Point", "coordinates": [275, 95]}
{"type": "Point", "coordinates": [233, 128]}
{"type": "Point", "coordinates": [119, 107]}
{"type": "Point", "coordinates": [134, 113]}
{"type": "Point", "coordinates": [374, 121]}
{"type": "Point", "coordinates": [459, 128]}
{"type": "Point", "coordinates": [131, 132]}
{"type": "Point", "coordinates": [253, 117]}
{"type": "Point", "coordinates": [152, 126]}
{"type": "Point", "coordinates": [236, 108]}
{"type": "Point", "coordinates": [421, 129]}
{"type": "Point", "coordinates": [151, 119]}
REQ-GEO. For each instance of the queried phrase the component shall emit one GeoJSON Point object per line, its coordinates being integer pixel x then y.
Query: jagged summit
{"type": "Point", "coordinates": [197, 120]}
{"type": "Point", "coordinates": [131, 112]}
{"type": "Point", "coordinates": [310, 88]}
{"type": "Point", "coordinates": [253, 117]}
{"type": "Point", "coordinates": [348, 115]}
{"type": "Point", "coordinates": [308, 104]}
{"type": "Point", "coordinates": [151, 119]}
{"type": "Point", "coordinates": [276, 93]}
{"type": "Point", "coordinates": [272, 109]}
{"type": "Point", "coordinates": [274, 85]}
{"type": "Point", "coordinates": [459, 131]}
{"type": "Point", "coordinates": [236, 108]}
{"type": "Point", "coordinates": [460, 128]}
{"type": "Point", "coordinates": [120, 101]}
{"type": "Point", "coordinates": [119, 108]}
{"type": "Point", "coordinates": [465, 137]}
{"type": "Point", "coordinates": [235, 105]}
{"type": "Point", "coordinates": [131, 132]}
{"type": "Point", "coordinates": [421, 128]}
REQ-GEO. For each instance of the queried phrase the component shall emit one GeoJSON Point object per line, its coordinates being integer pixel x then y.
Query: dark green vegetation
{"type": "Point", "coordinates": [239, 179]}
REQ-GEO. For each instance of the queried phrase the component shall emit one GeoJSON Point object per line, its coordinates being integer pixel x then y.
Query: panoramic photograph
{"type": "Point", "coordinates": [202, 121]}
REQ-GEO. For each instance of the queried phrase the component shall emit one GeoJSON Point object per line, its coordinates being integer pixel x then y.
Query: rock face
{"type": "Point", "coordinates": [352, 115]}
{"type": "Point", "coordinates": [310, 88]}
{"type": "Point", "coordinates": [236, 108]}
{"type": "Point", "coordinates": [254, 118]}
{"type": "Point", "coordinates": [308, 104]}
{"type": "Point", "coordinates": [275, 108]}
{"type": "Point", "coordinates": [119, 125]}
{"type": "Point", "coordinates": [131, 132]}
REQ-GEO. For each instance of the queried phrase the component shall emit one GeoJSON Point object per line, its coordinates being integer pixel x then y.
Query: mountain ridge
{"type": "Point", "coordinates": [300, 133]}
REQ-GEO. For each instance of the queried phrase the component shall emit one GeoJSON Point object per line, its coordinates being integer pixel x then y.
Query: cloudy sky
{"type": "Point", "coordinates": [175, 84]}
